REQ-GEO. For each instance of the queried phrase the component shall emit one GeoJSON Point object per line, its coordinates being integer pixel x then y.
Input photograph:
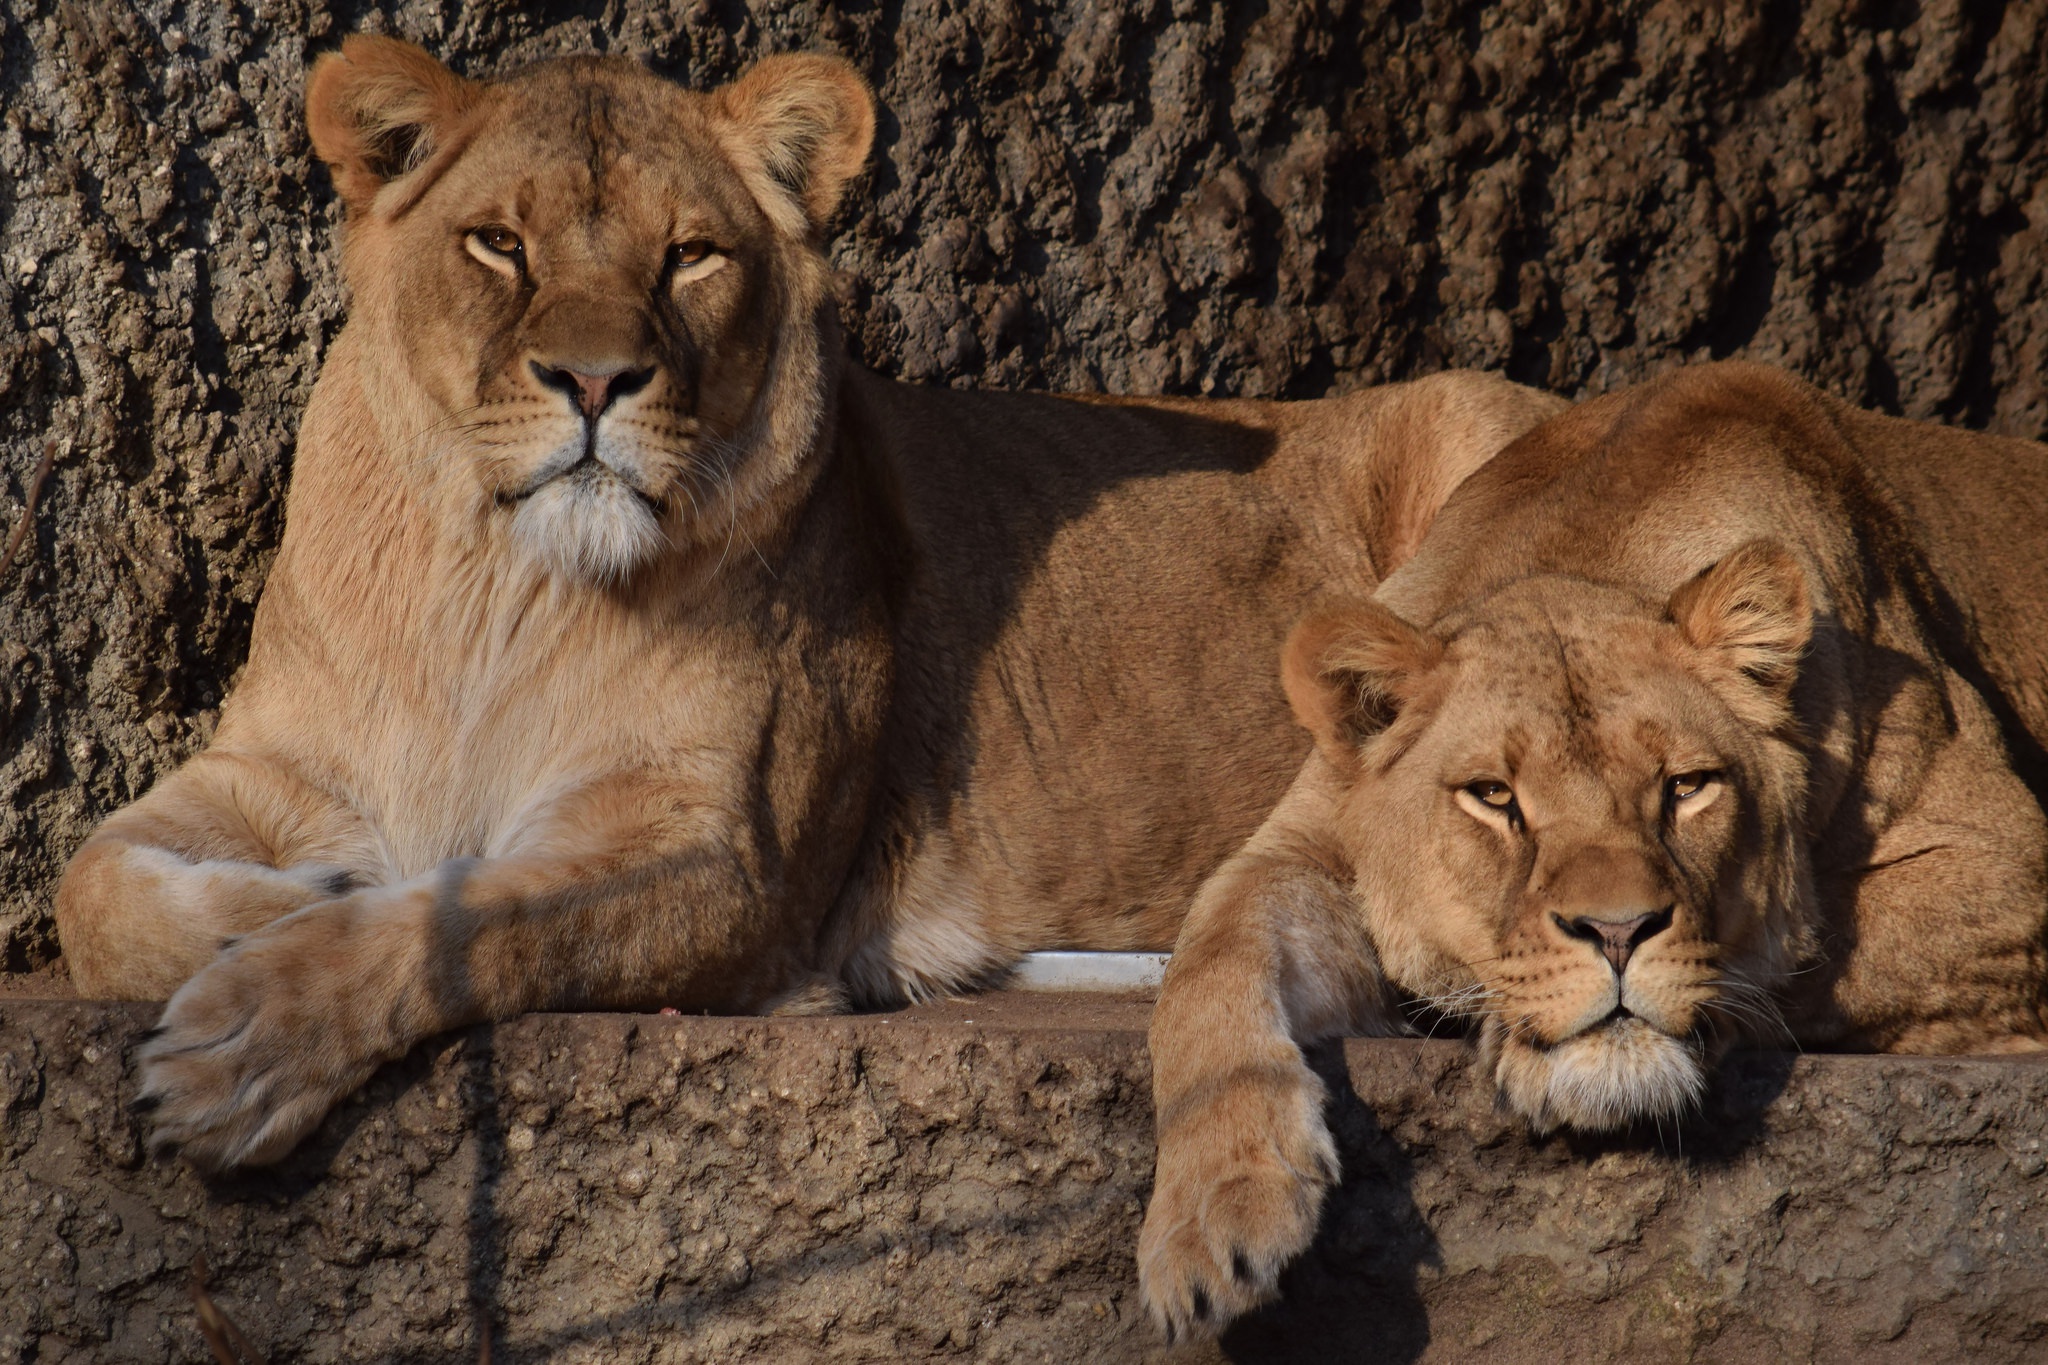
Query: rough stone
{"type": "Point", "coordinates": [1274, 197]}
{"type": "Point", "coordinates": [966, 1180]}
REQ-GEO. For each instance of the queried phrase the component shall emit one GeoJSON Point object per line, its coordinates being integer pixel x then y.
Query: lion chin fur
{"type": "Point", "coordinates": [587, 529]}
{"type": "Point", "coordinates": [1612, 1077]}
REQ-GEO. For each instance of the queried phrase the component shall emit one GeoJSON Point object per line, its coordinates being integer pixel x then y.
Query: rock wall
{"type": "Point", "coordinates": [966, 1181]}
{"type": "Point", "coordinates": [1276, 197]}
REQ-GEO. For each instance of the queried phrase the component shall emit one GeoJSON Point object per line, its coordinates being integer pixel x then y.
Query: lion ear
{"type": "Point", "coordinates": [378, 110]}
{"type": "Point", "coordinates": [1348, 667]}
{"type": "Point", "coordinates": [1752, 609]}
{"type": "Point", "coordinates": [801, 126]}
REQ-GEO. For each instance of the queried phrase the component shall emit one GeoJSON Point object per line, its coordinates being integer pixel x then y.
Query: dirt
{"type": "Point", "coordinates": [1134, 195]}
{"type": "Point", "coordinates": [967, 1181]}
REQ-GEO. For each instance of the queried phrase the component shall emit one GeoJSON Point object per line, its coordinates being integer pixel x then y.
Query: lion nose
{"type": "Point", "coordinates": [1618, 938]}
{"type": "Point", "coordinates": [592, 393]}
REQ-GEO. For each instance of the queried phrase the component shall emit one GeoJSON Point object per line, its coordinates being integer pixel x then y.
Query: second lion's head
{"type": "Point", "coordinates": [1575, 818]}
{"type": "Point", "coordinates": [594, 298]}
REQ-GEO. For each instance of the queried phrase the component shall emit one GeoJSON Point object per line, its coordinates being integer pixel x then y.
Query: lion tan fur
{"type": "Point", "coordinates": [628, 647]}
{"type": "Point", "coordinates": [1708, 713]}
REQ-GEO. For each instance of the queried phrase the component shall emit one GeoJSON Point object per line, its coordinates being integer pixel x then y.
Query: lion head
{"type": "Point", "coordinates": [587, 302]}
{"type": "Point", "coordinates": [1575, 816]}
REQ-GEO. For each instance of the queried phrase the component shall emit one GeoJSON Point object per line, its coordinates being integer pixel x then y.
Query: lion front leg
{"type": "Point", "coordinates": [225, 845]}
{"type": "Point", "coordinates": [616, 902]}
{"type": "Point", "coordinates": [251, 1053]}
{"type": "Point", "coordinates": [1273, 955]}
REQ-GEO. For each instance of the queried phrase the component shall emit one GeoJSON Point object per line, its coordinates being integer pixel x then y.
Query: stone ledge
{"type": "Point", "coordinates": [967, 1179]}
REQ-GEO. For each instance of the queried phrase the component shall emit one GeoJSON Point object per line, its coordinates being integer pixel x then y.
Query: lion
{"type": "Point", "coordinates": [629, 647]}
{"type": "Point", "coordinates": [1709, 713]}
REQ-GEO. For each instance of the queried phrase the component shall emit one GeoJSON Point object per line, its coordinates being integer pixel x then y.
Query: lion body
{"type": "Point", "coordinates": [1068, 599]}
{"type": "Point", "coordinates": [627, 648]}
{"type": "Point", "coordinates": [1710, 712]}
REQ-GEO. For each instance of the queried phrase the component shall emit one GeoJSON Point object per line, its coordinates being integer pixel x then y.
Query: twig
{"type": "Point", "coordinates": [28, 506]}
{"type": "Point", "coordinates": [223, 1338]}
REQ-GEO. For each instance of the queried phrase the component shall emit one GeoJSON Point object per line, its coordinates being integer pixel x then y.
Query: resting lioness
{"type": "Point", "coordinates": [1708, 712]}
{"type": "Point", "coordinates": [627, 647]}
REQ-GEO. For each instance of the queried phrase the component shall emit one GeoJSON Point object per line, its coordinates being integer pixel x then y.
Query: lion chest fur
{"type": "Point", "coordinates": [449, 691]}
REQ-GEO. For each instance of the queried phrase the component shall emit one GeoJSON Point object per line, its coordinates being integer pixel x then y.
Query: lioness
{"type": "Point", "coordinates": [628, 647]}
{"type": "Point", "coordinates": [1708, 712]}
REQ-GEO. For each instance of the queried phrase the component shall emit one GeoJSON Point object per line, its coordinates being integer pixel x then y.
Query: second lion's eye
{"type": "Point", "coordinates": [1687, 785]}
{"type": "Point", "coordinates": [1495, 794]}
{"type": "Point", "coordinates": [497, 247]}
{"type": "Point", "coordinates": [498, 238]}
{"type": "Point", "coordinates": [696, 251]}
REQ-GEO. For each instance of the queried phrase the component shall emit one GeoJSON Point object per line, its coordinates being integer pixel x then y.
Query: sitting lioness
{"type": "Point", "coordinates": [1710, 712]}
{"type": "Point", "coordinates": [628, 648]}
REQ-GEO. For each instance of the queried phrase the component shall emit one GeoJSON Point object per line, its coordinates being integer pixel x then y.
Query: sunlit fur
{"type": "Point", "coordinates": [597, 507]}
{"type": "Point", "coordinates": [591, 528]}
{"type": "Point", "coordinates": [1620, 1074]}
{"type": "Point", "coordinates": [712, 435]}
{"type": "Point", "coordinates": [1830, 624]}
{"type": "Point", "coordinates": [494, 686]}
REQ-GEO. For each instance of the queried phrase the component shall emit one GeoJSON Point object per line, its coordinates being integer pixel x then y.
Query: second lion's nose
{"type": "Point", "coordinates": [1618, 938]}
{"type": "Point", "coordinates": [592, 393]}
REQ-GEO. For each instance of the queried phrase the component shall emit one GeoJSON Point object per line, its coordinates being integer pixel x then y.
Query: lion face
{"type": "Point", "coordinates": [1573, 816]}
{"type": "Point", "coordinates": [601, 292]}
{"type": "Point", "coordinates": [592, 322]}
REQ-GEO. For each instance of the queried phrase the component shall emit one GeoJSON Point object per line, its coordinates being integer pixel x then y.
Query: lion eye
{"type": "Point", "coordinates": [696, 251]}
{"type": "Point", "coordinates": [1498, 795]}
{"type": "Point", "coordinates": [496, 237]}
{"type": "Point", "coordinates": [1687, 785]}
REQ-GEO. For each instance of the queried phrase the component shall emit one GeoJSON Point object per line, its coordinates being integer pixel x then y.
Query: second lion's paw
{"type": "Point", "coordinates": [1238, 1191]}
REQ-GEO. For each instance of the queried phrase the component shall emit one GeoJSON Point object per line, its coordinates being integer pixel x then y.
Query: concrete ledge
{"type": "Point", "coordinates": [967, 1179]}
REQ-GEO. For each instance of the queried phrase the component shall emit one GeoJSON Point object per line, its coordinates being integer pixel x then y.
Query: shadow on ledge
{"type": "Point", "coordinates": [1354, 1296]}
{"type": "Point", "coordinates": [1357, 1296]}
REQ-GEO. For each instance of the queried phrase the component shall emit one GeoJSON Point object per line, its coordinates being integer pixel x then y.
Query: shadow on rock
{"type": "Point", "coordinates": [1357, 1294]}
{"type": "Point", "coordinates": [1729, 1121]}
{"type": "Point", "coordinates": [1353, 1296]}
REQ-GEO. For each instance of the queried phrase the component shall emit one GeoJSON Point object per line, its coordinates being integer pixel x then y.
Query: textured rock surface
{"type": "Point", "coordinates": [1267, 198]}
{"type": "Point", "coordinates": [619, 1189]}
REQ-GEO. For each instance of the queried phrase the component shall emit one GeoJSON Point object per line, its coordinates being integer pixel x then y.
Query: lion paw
{"type": "Point", "coordinates": [253, 1051]}
{"type": "Point", "coordinates": [1239, 1187]}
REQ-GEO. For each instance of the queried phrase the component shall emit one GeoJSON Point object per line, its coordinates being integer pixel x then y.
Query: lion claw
{"type": "Point", "coordinates": [1239, 1190]}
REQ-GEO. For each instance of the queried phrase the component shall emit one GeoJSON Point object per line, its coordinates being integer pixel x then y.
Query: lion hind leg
{"type": "Point", "coordinates": [814, 996]}
{"type": "Point", "coordinates": [1950, 917]}
{"type": "Point", "coordinates": [1420, 441]}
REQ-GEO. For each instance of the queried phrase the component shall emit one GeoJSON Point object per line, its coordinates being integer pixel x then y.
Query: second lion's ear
{"type": "Point", "coordinates": [1752, 612]}
{"type": "Point", "coordinates": [800, 128]}
{"type": "Point", "coordinates": [1348, 667]}
{"type": "Point", "coordinates": [378, 110]}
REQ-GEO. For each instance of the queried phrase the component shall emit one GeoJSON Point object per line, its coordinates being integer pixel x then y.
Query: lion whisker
{"type": "Point", "coordinates": [1747, 1003]}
